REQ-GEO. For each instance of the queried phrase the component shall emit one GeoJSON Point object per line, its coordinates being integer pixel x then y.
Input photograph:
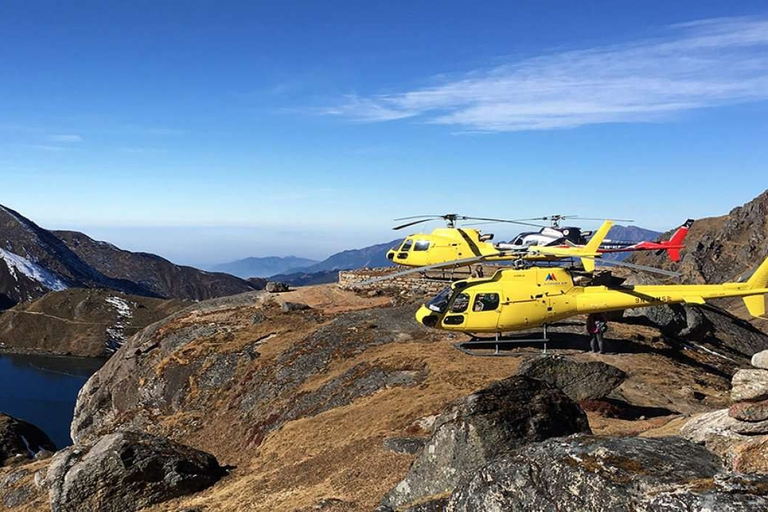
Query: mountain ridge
{"type": "Point", "coordinates": [35, 261]}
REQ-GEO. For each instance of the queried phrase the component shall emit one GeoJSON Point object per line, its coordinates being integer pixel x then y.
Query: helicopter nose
{"type": "Point", "coordinates": [391, 255]}
{"type": "Point", "coordinates": [426, 317]}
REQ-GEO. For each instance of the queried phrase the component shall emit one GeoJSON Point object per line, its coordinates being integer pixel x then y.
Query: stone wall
{"type": "Point", "coordinates": [351, 279]}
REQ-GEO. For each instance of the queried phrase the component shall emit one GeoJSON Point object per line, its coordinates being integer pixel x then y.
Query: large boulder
{"type": "Point", "coordinates": [600, 474]}
{"type": "Point", "coordinates": [760, 360]}
{"type": "Point", "coordinates": [475, 430]}
{"type": "Point", "coordinates": [21, 441]}
{"type": "Point", "coordinates": [580, 381]}
{"type": "Point", "coordinates": [127, 471]}
{"type": "Point", "coordinates": [671, 320]}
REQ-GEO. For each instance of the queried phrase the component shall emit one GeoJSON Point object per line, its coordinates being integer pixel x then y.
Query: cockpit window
{"type": "Point", "coordinates": [406, 245]}
{"type": "Point", "coordinates": [486, 302]}
{"type": "Point", "coordinates": [421, 245]}
{"type": "Point", "coordinates": [440, 301]}
{"type": "Point", "coordinates": [460, 304]}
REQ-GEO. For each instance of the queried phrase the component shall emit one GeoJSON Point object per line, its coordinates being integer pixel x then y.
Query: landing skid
{"type": "Point", "coordinates": [498, 343]}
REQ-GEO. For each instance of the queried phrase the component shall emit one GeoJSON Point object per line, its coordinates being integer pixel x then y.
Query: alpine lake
{"type": "Point", "coordinates": [42, 390]}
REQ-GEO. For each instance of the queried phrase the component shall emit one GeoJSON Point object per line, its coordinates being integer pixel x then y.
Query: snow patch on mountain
{"type": "Point", "coordinates": [33, 271]}
{"type": "Point", "coordinates": [116, 334]}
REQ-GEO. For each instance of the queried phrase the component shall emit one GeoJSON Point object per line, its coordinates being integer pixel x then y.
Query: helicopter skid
{"type": "Point", "coordinates": [499, 343]}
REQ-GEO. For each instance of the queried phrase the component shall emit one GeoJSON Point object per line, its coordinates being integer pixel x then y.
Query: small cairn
{"type": "Point", "coordinates": [749, 394]}
{"type": "Point", "coordinates": [739, 434]}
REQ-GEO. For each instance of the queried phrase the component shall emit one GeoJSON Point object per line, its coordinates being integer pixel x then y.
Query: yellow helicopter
{"type": "Point", "coordinates": [462, 245]}
{"type": "Point", "coordinates": [518, 299]}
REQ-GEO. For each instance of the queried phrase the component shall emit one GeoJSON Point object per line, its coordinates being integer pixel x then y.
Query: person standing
{"type": "Point", "coordinates": [597, 324]}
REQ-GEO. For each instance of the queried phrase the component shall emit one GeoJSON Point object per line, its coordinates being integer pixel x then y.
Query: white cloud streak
{"type": "Point", "coordinates": [697, 65]}
{"type": "Point", "coordinates": [65, 138]}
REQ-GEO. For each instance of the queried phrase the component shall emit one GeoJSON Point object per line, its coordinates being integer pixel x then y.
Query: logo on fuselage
{"type": "Point", "coordinates": [551, 279]}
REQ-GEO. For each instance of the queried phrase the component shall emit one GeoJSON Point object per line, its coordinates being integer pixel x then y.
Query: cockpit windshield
{"type": "Point", "coordinates": [440, 301]}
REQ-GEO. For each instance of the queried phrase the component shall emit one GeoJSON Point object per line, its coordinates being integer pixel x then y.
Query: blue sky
{"type": "Point", "coordinates": [207, 131]}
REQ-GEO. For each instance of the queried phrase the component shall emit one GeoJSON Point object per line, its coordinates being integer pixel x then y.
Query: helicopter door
{"type": "Point", "coordinates": [483, 314]}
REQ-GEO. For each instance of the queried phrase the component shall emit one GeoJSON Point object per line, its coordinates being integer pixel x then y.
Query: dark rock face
{"type": "Point", "coordinates": [159, 276]}
{"type": "Point", "coordinates": [600, 474]}
{"type": "Point", "coordinates": [127, 471]}
{"type": "Point", "coordinates": [475, 430]}
{"type": "Point", "coordinates": [35, 261]}
{"type": "Point", "coordinates": [21, 441]}
{"type": "Point", "coordinates": [580, 381]}
{"type": "Point", "coordinates": [55, 266]}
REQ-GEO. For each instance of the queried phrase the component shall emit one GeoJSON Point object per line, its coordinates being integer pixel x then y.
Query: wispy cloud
{"type": "Point", "coordinates": [43, 147]}
{"type": "Point", "coordinates": [65, 138]}
{"type": "Point", "coordinates": [695, 65]}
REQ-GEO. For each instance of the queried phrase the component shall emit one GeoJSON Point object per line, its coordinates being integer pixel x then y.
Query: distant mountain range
{"type": "Point", "coordinates": [628, 234]}
{"type": "Point", "coordinates": [327, 270]}
{"type": "Point", "coordinates": [35, 261]}
{"type": "Point", "coordinates": [264, 267]}
{"type": "Point", "coordinates": [632, 234]}
{"type": "Point", "coordinates": [376, 256]}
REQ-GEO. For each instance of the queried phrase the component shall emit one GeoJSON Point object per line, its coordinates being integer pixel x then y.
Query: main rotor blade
{"type": "Point", "coordinates": [412, 224]}
{"type": "Point", "coordinates": [447, 264]}
{"type": "Point", "coordinates": [420, 217]}
{"type": "Point", "coordinates": [593, 218]}
{"type": "Point", "coordinates": [505, 220]}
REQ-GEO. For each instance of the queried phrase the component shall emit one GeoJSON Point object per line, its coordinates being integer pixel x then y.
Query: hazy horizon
{"type": "Point", "coordinates": [207, 246]}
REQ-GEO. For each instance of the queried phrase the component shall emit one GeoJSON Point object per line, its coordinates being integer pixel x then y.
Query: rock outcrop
{"type": "Point", "coordinates": [181, 363]}
{"type": "Point", "coordinates": [127, 471]}
{"type": "Point", "coordinates": [580, 381]}
{"type": "Point", "coordinates": [597, 474]}
{"type": "Point", "coordinates": [475, 430]}
{"type": "Point", "coordinates": [21, 441]}
{"type": "Point", "coordinates": [276, 287]}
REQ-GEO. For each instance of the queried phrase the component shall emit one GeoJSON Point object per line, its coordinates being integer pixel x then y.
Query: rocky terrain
{"type": "Point", "coordinates": [320, 398]}
{"type": "Point", "coordinates": [323, 399]}
{"type": "Point", "coordinates": [35, 261]}
{"type": "Point", "coordinates": [80, 321]}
